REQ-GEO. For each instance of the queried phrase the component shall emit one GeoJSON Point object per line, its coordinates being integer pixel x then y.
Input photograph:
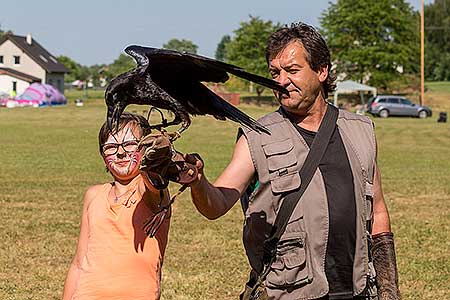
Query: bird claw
{"type": "Point", "coordinates": [173, 136]}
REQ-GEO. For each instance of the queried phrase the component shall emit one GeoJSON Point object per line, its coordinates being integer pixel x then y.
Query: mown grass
{"type": "Point", "coordinates": [50, 156]}
{"type": "Point", "coordinates": [438, 86]}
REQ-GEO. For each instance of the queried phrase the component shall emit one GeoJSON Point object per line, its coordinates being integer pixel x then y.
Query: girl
{"type": "Point", "coordinates": [115, 259]}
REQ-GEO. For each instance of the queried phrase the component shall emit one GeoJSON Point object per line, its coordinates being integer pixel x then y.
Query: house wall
{"type": "Point", "coordinates": [57, 80]}
{"type": "Point", "coordinates": [6, 84]}
{"type": "Point", "coordinates": [28, 66]}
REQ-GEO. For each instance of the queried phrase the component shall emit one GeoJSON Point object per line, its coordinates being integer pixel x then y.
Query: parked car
{"type": "Point", "coordinates": [389, 105]}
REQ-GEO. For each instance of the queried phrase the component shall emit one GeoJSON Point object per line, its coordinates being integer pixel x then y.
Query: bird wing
{"type": "Point", "coordinates": [198, 68]}
{"type": "Point", "coordinates": [180, 75]}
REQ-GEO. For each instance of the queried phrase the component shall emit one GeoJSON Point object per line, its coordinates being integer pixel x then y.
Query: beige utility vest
{"type": "Point", "coordinates": [299, 270]}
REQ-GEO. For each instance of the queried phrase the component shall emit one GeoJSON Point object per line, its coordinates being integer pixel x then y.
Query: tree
{"type": "Point", "coordinates": [2, 32]}
{"type": "Point", "coordinates": [221, 48]}
{"type": "Point", "coordinates": [247, 48]}
{"type": "Point", "coordinates": [74, 68]}
{"type": "Point", "coordinates": [437, 40]}
{"type": "Point", "coordinates": [181, 45]}
{"type": "Point", "coordinates": [96, 72]}
{"type": "Point", "coordinates": [373, 41]}
{"type": "Point", "coordinates": [122, 64]}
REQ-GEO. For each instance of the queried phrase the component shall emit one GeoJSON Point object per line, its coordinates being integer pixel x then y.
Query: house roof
{"type": "Point", "coordinates": [19, 75]}
{"type": "Point", "coordinates": [37, 53]}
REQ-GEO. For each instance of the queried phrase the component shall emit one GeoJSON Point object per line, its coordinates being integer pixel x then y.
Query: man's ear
{"type": "Point", "coordinates": [323, 73]}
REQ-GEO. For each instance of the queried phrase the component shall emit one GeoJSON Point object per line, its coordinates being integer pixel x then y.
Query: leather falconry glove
{"type": "Point", "coordinates": [383, 255]}
{"type": "Point", "coordinates": [161, 163]}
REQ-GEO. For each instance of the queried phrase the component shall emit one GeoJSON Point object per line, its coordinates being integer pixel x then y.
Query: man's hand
{"type": "Point", "coordinates": [195, 160]}
{"type": "Point", "coordinates": [161, 163]}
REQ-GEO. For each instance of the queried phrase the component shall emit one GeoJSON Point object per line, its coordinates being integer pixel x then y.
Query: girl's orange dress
{"type": "Point", "coordinates": [121, 262]}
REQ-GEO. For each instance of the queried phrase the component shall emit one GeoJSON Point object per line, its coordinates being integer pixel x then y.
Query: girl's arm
{"type": "Point", "coordinates": [74, 270]}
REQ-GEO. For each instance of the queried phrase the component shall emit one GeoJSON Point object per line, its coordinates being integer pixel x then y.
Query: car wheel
{"type": "Point", "coordinates": [423, 114]}
{"type": "Point", "coordinates": [383, 113]}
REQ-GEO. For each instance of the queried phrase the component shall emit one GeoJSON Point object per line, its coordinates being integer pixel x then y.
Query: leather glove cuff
{"type": "Point", "coordinates": [384, 261]}
{"type": "Point", "coordinates": [161, 163]}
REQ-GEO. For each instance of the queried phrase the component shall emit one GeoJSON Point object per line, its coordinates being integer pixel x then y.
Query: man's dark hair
{"type": "Point", "coordinates": [317, 52]}
{"type": "Point", "coordinates": [125, 119]}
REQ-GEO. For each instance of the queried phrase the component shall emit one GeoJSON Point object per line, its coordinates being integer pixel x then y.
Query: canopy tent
{"type": "Point", "coordinates": [349, 87]}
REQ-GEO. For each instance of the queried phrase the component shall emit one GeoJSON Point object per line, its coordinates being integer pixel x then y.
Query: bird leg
{"type": "Point", "coordinates": [180, 117]}
{"type": "Point", "coordinates": [164, 122]}
{"type": "Point", "coordinates": [177, 134]}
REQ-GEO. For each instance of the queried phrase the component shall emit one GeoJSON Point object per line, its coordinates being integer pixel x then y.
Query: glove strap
{"type": "Point", "coordinates": [152, 225]}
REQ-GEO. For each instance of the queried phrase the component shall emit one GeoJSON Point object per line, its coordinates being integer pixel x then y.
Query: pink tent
{"type": "Point", "coordinates": [38, 94]}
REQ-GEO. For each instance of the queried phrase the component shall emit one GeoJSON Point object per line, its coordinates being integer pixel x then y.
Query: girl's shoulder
{"type": "Point", "coordinates": [93, 191]}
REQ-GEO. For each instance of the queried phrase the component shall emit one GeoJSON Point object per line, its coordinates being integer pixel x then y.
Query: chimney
{"type": "Point", "coordinates": [29, 39]}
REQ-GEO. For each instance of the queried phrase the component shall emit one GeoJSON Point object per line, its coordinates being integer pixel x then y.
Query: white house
{"type": "Point", "coordinates": [24, 61]}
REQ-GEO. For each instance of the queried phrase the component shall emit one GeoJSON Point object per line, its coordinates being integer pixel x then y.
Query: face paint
{"type": "Point", "coordinates": [122, 164]}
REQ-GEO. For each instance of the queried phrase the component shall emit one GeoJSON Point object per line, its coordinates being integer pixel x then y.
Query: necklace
{"type": "Point", "coordinates": [116, 198]}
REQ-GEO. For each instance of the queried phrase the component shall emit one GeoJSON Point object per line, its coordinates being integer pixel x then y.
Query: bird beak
{"type": "Point", "coordinates": [285, 91]}
{"type": "Point", "coordinates": [113, 116]}
{"type": "Point", "coordinates": [109, 117]}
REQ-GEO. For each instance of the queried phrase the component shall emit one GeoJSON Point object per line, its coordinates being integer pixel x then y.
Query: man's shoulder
{"type": "Point", "coordinates": [266, 120]}
{"type": "Point", "coordinates": [349, 116]}
{"type": "Point", "coordinates": [271, 118]}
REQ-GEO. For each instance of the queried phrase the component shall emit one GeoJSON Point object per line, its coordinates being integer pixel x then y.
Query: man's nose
{"type": "Point", "coordinates": [283, 79]}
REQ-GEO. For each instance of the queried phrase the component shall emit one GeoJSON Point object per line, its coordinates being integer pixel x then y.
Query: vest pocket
{"type": "Point", "coordinates": [291, 266]}
{"type": "Point", "coordinates": [282, 166]}
{"type": "Point", "coordinates": [286, 183]}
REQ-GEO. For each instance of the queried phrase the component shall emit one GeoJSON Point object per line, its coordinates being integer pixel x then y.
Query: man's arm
{"type": "Point", "coordinates": [381, 222]}
{"type": "Point", "coordinates": [383, 250]}
{"type": "Point", "coordinates": [214, 200]}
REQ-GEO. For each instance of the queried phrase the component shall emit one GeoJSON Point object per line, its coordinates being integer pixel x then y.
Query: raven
{"type": "Point", "coordinates": [171, 80]}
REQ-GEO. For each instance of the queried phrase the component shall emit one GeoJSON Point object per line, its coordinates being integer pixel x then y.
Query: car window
{"type": "Point", "coordinates": [406, 101]}
{"type": "Point", "coordinates": [393, 101]}
{"type": "Point", "coordinates": [382, 101]}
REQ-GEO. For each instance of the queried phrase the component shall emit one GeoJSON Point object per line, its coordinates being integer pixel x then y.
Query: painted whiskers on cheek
{"type": "Point", "coordinates": [110, 162]}
{"type": "Point", "coordinates": [134, 161]}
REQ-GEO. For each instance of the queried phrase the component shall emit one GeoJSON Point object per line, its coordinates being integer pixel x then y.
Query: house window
{"type": "Point", "coordinates": [43, 58]}
{"type": "Point", "coordinates": [14, 86]}
{"type": "Point", "coordinates": [16, 60]}
{"type": "Point", "coordinates": [1, 59]}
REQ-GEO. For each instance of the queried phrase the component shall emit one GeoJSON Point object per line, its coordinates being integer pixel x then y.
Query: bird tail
{"type": "Point", "coordinates": [234, 114]}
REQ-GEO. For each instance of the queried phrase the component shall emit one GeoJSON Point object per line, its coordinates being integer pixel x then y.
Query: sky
{"type": "Point", "coordinates": [97, 31]}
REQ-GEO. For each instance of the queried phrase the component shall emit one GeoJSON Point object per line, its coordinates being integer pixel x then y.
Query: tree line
{"type": "Point", "coordinates": [372, 42]}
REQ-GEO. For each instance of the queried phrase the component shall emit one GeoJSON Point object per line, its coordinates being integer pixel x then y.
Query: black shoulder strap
{"type": "Point", "coordinates": [307, 171]}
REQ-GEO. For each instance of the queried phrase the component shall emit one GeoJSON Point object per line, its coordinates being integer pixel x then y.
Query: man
{"type": "Point", "coordinates": [325, 251]}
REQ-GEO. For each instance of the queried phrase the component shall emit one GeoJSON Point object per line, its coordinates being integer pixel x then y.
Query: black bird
{"type": "Point", "coordinates": [172, 80]}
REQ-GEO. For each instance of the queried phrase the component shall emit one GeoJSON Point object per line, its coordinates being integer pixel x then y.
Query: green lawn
{"type": "Point", "coordinates": [50, 156]}
{"type": "Point", "coordinates": [438, 86]}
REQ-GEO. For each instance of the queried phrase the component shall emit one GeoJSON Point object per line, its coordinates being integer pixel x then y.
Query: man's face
{"type": "Point", "coordinates": [291, 70]}
{"type": "Point", "coordinates": [120, 153]}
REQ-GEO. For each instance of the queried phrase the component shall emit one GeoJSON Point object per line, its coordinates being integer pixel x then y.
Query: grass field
{"type": "Point", "coordinates": [50, 156]}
